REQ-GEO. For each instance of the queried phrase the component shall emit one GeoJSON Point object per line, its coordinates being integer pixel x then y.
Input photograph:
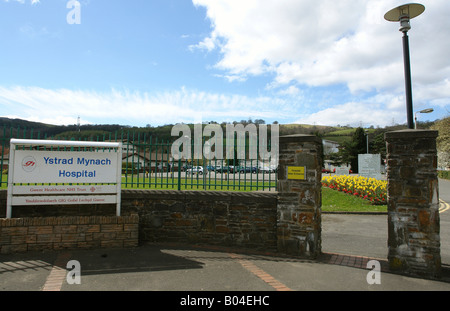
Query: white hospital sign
{"type": "Point", "coordinates": [64, 167]}
{"type": "Point", "coordinates": [81, 177]}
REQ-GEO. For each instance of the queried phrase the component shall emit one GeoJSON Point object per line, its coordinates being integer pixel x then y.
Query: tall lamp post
{"type": "Point", "coordinates": [429, 110]}
{"type": "Point", "coordinates": [404, 14]}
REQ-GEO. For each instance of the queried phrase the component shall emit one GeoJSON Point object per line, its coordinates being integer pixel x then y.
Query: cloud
{"type": "Point", "coordinates": [63, 106]}
{"type": "Point", "coordinates": [290, 91]}
{"type": "Point", "coordinates": [33, 2]}
{"type": "Point", "coordinates": [367, 113]}
{"type": "Point", "coordinates": [326, 42]}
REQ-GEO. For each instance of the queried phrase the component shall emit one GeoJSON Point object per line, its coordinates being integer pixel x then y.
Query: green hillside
{"type": "Point", "coordinates": [23, 128]}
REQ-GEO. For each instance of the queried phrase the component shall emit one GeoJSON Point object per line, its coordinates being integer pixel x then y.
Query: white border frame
{"type": "Point", "coordinates": [61, 143]}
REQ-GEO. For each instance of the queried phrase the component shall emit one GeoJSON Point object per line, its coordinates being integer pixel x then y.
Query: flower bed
{"type": "Point", "coordinates": [367, 188]}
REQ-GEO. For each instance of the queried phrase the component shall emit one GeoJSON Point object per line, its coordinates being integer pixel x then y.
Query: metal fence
{"type": "Point", "coordinates": [147, 163]}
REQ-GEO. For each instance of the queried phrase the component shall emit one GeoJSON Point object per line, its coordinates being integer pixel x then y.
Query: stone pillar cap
{"type": "Point", "coordinates": [410, 133]}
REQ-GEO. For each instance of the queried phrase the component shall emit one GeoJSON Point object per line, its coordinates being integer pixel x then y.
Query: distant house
{"type": "Point", "coordinates": [128, 147]}
{"type": "Point", "coordinates": [146, 162]}
{"type": "Point", "coordinates": [330, 146]}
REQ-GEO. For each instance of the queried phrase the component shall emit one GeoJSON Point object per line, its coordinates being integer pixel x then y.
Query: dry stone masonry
{"type": "Point", "coordinates": [299, 196]}
{"type": "Point", "coordinates": [205, 217]}
{"type": "Point", "coordinates": [413, 203]}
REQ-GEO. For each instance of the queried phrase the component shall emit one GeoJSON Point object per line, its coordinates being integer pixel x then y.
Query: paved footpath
{"type": "Point", "coordinates": [349, 243]}
{"type": "Point", "coordinates": [195, 268]}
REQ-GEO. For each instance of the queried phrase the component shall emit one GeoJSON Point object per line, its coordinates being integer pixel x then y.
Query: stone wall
{"type": "Point", "coordinates": [222, 218]}
{"type": "Point", "coordinates": [413, 203]}
{"type": "Point", "coordinates": [56, 233]}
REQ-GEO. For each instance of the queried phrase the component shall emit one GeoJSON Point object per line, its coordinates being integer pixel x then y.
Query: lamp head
{"type": "Point", "coordinates": [404, 14]}
{"type": "Point", "coordinates": [429, 110]}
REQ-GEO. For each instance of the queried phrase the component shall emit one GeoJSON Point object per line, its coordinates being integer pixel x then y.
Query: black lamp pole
{"type": "Point", "coordinates": [403, 14]}
{"type": "Point", "coordinates": [408, 88]}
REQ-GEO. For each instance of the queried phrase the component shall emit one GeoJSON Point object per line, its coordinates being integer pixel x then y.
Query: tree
{"type": "Point", "coordinates": [378, 145]}
{"type": "Point", "coordinates": [335, 158]}
{"type": "Point", "coordinates": [443, 142]}
{"type": "Point", "coordinates": [350, 149]}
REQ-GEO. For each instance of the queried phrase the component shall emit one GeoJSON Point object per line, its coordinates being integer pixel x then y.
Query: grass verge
{"type": "Point", "coordinates": [336, 201]}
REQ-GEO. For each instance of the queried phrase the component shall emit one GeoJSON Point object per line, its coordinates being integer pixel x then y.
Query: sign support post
{"type": "Point", "coordinates": [10, 182]}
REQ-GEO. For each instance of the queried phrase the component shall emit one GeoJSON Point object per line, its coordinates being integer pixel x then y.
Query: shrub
{"type": "Point", "coordinates": [444, 174]}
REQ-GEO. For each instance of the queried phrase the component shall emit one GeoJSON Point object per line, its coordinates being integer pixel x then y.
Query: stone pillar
{"type": "Point", "coordinates": [413, 203]}
{"type": "Point", "coordinates": [299, 196]}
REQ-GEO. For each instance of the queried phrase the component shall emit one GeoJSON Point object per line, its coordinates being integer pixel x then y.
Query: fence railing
{"type": "Point", "coordinates": [147, 163]}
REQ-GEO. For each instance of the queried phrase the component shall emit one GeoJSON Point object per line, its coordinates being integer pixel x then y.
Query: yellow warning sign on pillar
{"type": "Point", "coordinates": [296, 172]}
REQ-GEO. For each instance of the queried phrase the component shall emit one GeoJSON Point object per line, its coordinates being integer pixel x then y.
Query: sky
{"type": "Point", "coordinates": [157, 62]}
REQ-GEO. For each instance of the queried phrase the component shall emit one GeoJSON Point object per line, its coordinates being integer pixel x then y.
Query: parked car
{"type": "Point", "coordinates": [267, 169]}
{"type": "Point", "coordinates": [184, 168]}
{"type": "Point", "coordinates": [223, 169]}
{"type": "Point", "coordinates": [327, 171]}
{"type": "Point", "coordinates": [248, 170]}
{"type": "Point", "coordinates": [197, 170]}
{"type": "Point", "coordinates": [264, 170]}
